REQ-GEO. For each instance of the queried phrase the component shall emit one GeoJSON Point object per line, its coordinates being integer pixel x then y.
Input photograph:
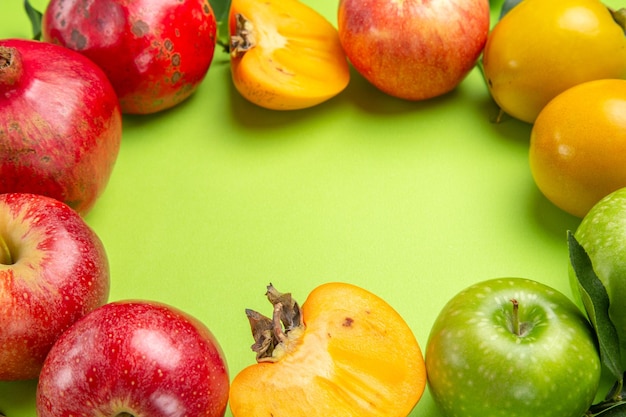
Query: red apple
{"type": "Point", "coordinates": [53, 270]}
{"type": "Point", "coordinates": [134, 358]}
{"type": "Point", "coordinates": [413, 49]}
{"type": "Point", "coordinates": [155, 52]}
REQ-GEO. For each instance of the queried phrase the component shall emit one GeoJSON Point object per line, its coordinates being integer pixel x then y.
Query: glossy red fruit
{"type": "Point", "coordinates": [155, 52]}
{"type": "Point", "coordinates": [60, 123]}
{"type": "Point", "coordinates": [413, 49]}
{"type": "Point", "coordinates": [135, 358]}
{"type": "Point", "coordinates": [53, 270]}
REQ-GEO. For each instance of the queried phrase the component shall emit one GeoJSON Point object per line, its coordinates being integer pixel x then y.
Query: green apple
{"type": "Point", "coordinates": [602, 233]}
{"type": "Point", "coordinates": [512, 347]}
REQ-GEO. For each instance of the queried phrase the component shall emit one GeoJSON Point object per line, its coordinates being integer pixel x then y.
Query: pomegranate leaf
{"type": "Point", "coordinates": [596, 302]}
{"type": "Point", "coordinates": [35, 17]}
{"type": "Point", "coordinates": [221, 9]}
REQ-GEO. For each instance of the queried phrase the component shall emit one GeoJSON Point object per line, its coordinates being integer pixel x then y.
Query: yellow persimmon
{"type": "Point", "coordinates": [346, 353]}
{"type": "Point", "coordinates": [284, 54]}
{"type": "Point", "coordinates": [578, 144]}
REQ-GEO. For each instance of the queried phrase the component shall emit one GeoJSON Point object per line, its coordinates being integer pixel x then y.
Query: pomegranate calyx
{"type": "Point", "coordinates": [10, 66]}
{"type": "Point", "coordinates": [243, 39]}
{"type": "Point", "coordinates": [273, 335]}
{"type": "Point", "coordinates": [5, 57]}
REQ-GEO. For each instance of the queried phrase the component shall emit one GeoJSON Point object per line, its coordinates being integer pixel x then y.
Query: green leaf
{"type": "Point", "coordinates": [609, 409]}
{"type": "Point", "coordinates": [613, 405]}
{"type": "Point", "coordinates": [507, 6]}
{"type": "Point", "coordinates": [596, 302]}
{"type": "Point", "coordinates": [35, 17]}
{"type": "Point", "coordinates": [618, 410]}
{"type": "Point", "coordinates": [221, 8]}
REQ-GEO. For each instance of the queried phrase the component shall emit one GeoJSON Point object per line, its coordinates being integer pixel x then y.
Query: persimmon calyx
{"type": "Point", "coordinates": [243, 39]}
{"type": "Point", "coordinates": [273, 335]}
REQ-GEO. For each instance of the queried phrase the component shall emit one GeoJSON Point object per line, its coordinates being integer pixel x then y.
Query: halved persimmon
{"type": "Point", "coordinates": [284, 54]}
{"type": "Point", "coordinates": [346, 353]}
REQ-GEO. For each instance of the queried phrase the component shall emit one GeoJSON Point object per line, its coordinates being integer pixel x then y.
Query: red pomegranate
{"type": "Point", "coordinates": [155, 52]}
{"type": "Point", "coordinates": [60, 123]}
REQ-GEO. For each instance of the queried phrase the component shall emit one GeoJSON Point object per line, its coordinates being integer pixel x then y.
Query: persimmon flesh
{"type": "Point", "coordinates": [284, 54]}
{"type": "Point", "coordinates": [346, 353]}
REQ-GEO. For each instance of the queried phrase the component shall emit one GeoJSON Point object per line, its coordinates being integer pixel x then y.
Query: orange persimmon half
{"type": "Point", "coordinates": [345, 353]}
{"type": "Point", "coordinates": [284, 54]}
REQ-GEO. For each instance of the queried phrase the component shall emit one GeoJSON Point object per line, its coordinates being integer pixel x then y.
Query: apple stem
{"type": "Point", "coordinates": [5, 256]}
{"type": "Point", "coordinates": [515, 317]}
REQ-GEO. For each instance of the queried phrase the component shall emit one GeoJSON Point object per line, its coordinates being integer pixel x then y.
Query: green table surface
{"type": "Point", "coordinates": [211, 201]}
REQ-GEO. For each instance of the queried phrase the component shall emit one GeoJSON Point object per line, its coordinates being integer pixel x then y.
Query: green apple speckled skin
{"type": "Point", "coordinates": [479, 365]}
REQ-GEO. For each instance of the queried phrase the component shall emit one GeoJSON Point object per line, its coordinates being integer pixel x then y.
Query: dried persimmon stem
{"type": "Point", "coordinates": [243, 39]}
{"type": "Point", "coordinates": [269, 333]}
{"type": "Point", "coordinates": [290, 316]}
{"type": "Point", "coordinates": [278, 327]}
{"type": "Point", "coordinates": [262, 332]}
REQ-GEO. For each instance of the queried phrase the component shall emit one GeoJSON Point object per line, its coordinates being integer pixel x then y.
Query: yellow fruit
{"type": "Point", "coordinates": [578, 145]}
{"type": "Point", "coordinates": [345, 353]}
{"type": "Point", "coordinates": [540, 48]}
{"type": "Point", "coordinates": [284, 54]}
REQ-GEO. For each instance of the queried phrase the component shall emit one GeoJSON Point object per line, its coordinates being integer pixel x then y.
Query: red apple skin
{"type": "Point", "coordinates": [155, 52]}
{"type": "Point", "coordinates": [58, 273]}
{"type": "Point", "coordinates": [135, 356]}
{"type": "Point", "coordinates": [413, 49]}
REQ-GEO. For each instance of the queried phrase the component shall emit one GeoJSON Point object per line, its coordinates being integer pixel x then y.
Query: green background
{"type": "Point", "coordinates": [214, 199]}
